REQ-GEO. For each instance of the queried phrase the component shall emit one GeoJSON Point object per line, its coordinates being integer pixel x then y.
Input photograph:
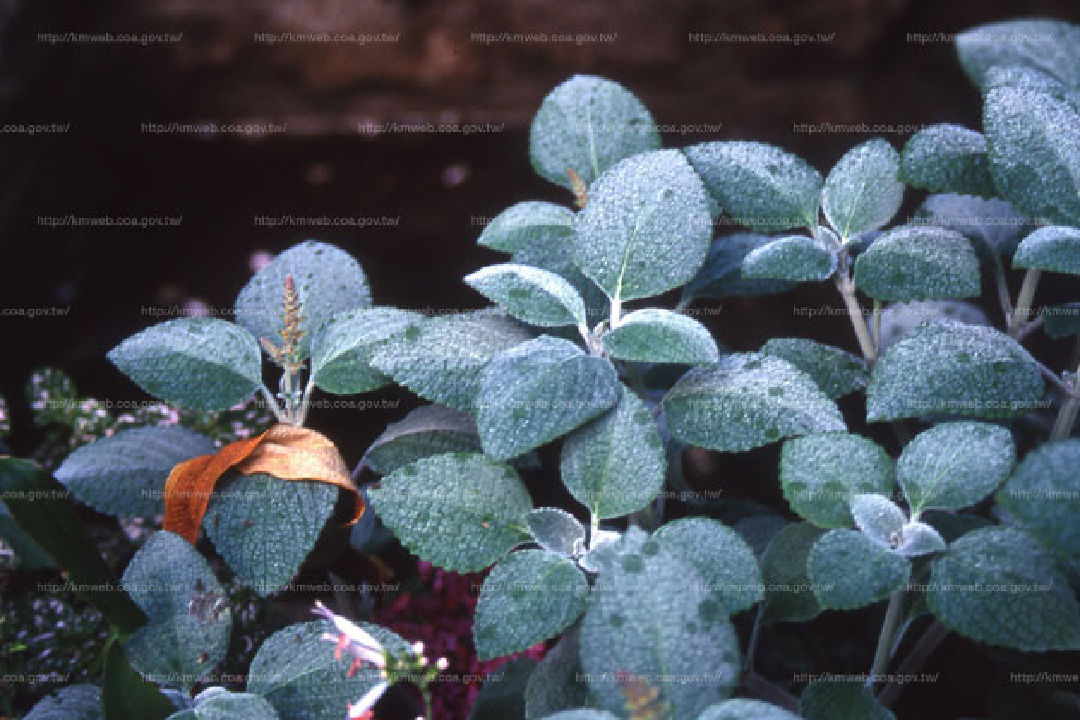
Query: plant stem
{"type": "Point", "coordinates": [616, 312]}
{"type": "Point", "coordinates": [876, 328]}
{"type": "Point", "coordinates": [271, 401]}
{"type": "Point", "coordinates": [429, 714]}
{"type": "Point", "coordinates": [305, 403]}
{"type": "Point", "coordinates": [1066, 417]}
{"type": "Point", "coordinates": [855, 312]}
{"type": "Point", "coordinates": [1023, 302]}
{"type": "Point", "coordinates": [751, 645]}
{"type": "Point", "coordinates": [594, 528]}
{"type": "Point", "coordinates": [924, 648]}
{"type": "Point", "coordinates": [888, 629]}
{"type": "Point", "coordinates": [1002, 284]}
{"type": "Point", "coordinates": [757, 686]}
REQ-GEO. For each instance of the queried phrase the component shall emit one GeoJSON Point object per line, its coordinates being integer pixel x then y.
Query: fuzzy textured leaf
{"type": "Point", "coordinates": [646, 228]}
{"type": "Point", "coordinates": [557, 683]}
{"type": "Point", "coordinates": [588, 124]}
{"type": "Point", "coordinates": [837, 372]}
{"type": "Point", "coordinates": [342, 348]}
{"type": "Point", "coordinates": [528, 597]}
{"type": "Point", "coordinates": [652, 616]}
{"type": "Point", "coordinates": [741, 709]}
{"type": "Point", "coordinates": [124, 474]}
{"type": "Point", "coordinates": [538, 391]}
{"type": "Point", "coordinates": [428, 430]}
{"type": "Point", "coordinates": [74, 702]}
{"type": "Point", "coordinates": [1061, 321]}
{"type": "Point", "coordinates": [848, 570]}
{"type": "Point", "coordinates": [919, 262]}
{"type": "Point", "coordinates": [947, 159]}
{"type": "Point", "coordinates": [615, 465]}
{"type": "Point", "coordinates": [949, 368]}
{"type": "Point", "coordinates": [177, 646]}
{"type": "Point", "coordinates": [1035, 152]}
{"type": "Point", "coordinates": [759, 185]}
{"type": "Point", "coordinates": [661, 336]}
{"type": "Point", "coordinates": [788, 596]}
{"type": "Point", "coordinates": [442, 359]}
{"type": "Point", "coordinates": [955, 465]}
{"type": "Point", "coordinates": [796, 258]}
{"type": "Point", "coordinates": [862, 191]}
{"type": "Point", "coordinates": [200, 363]}
{"type": "Point", "coordinates": [999, 586]}
{"type": "Point", "coordinates": [527, 222]}
{"type": "Point", "coordinates": [747, 401]}
{"type": "Point", "coordinates": [264, 527]}
{"type": "Point", "coordinates": [838, 700]}
{"type": "Point", "coordinates": [1045, 45]}
{"type": "Point", "coordinates": [295, 670]}
{"type": "Point", "coordinates": [992, 224]}
{"type": "Point", "coordinates": [1056, 249]}
{"type": "Point", "coordinates": [532, 295]}
{"type": "Point", "coordinates": [328, 281]}
{"type": "Point", "coordinates": [216, 703]}
{"type": "Point", "coordinates": [460, 511]}
{"type": "Point", "coordinates": [820, 473]}
{"type": "Point", "coordinates": [1043, 495]}
{"type": "Point", "coordinates": [721, 276]}
{"type": "Point", "coordinates": [720, 556]}
{"type": "Point", "coordinates": [557, 531]}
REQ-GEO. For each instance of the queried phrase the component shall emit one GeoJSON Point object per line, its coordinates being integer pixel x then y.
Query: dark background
{"type": "Point", "coordinates": [440, 185]}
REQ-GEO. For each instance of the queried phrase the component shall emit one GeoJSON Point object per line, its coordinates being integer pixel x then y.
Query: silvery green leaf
{"type": "Point", "coordinates": [899, 320]}
{"type": "Point", "coordinates": [125, 473]}
{"type": "Point", "coordinates": [443, 358]}
{"type": "Point", "coordinates": [759, 185]}
{"type": "Point", "coordinates": [217, 703]}
{"type": "Point", "coordinates": [557, 531]}
{"type": "Point", "coordinates": [759, 530]}
{"type": "Point", "coordinates": [296, 671]}
{"type": "Point", "coordinates": [588, 124]}
{"type": "Point", "coordinates": [502, 695]}
{"type": "Point", "coordinates": [720, 555]}
{"type": "Point", "coordinates": [952, 526]}
{"type": "Point", "coordinates": [265, 527]}
{"type": "Point", "coordinates": [796, 258]}
{"type": "Point", "coordinates": [532, 295]}
{"type": "Point", "coordinates": [74, 702]}
{"type": "Point", "coordinates": [721, 275]}
{"type": "Point", "coordinates": [615, 465]}
{"type": "Point", "coordinates": [603, 547]}
{"type": "Point", "coordinates": [949, 368]}
{"type": "Point", "coordinates": [341, 350]}
{"type": "Point", "coordinates": [652, 615]}
{"type": "Point", "coordinates": [820, 473]}
{"type": "Point", "coordinates": [993, 225]}
{"type": "Point", "coordinates": [173, 585]}
{"type": "Point", "coordinates": [947, 159]}
{"type": "Point", "coordinates": [557, 683]}
{"type": "Point", "coordinates": [1056, 249]}
{"type": "Point", "coordinates": [1043, 495]}
{"type": "Point", "coordinates": [917, 539]}
{"type": "Point", "coordinates": [538, 391]}
{"type": "Point", "coordinates": [428, 430]}
{"type": "Point", "coordinates": [746, 401]}
{"type": "Point", "coordinates": [661, 336]}
{"type": "Point", "coordinates": [194, 362]}
{"type": "Point", "coordinates": [788, 594]}
{"type": "Point", "coordinates": [879, 518]}
{"type": "Point", "coordinates": [837, 372]}
{"type": "Point", "coordinates": [581, 714]}
{"type": "Point", "coordinates": [848, 570]}
{"type": "Point", "coordinates": [1045, 45]}
{"type": "Point", "coordinates": [1001, 587]}
{"type": "Point", "coordinates": [954, 465]}
{"type": "Point", "coordinates": [460, 511]}
{"type": "Point", "coordinates": [525, 223]}
{"type": "Point", "coordinates": [646, 228]}
{"type": "Point", "coordinates": [827, 699]}
{"type": "Point", "coordinates": [328, 281]}
{"type": "Point", "coordinates": [1035, 152]}
{"type": "Point", "coordinates": [741, 709]}
{"type": "Point", "coordinates": [1060, 321]}
{"type": "Point", "coordinates": [919, 262]}
{"type": "Point", "coordinates": [528, 597]}
{"type": "Point", "coordinates": [862, 191]}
